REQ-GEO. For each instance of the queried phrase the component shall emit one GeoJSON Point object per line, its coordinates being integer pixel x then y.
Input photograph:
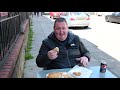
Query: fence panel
{"type": "Point", "coordinates": [10, 29]}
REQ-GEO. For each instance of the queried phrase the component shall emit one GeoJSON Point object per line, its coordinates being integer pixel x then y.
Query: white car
{"type": "Point", "coordinates": [77, 19]}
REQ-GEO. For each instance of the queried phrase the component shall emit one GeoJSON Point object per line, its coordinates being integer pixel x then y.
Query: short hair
{"type": "Point", "coordinates": [61, 19]}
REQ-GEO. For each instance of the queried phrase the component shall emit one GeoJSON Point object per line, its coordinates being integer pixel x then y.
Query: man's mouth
{"type": "Point", "coordinates": [61, 34]}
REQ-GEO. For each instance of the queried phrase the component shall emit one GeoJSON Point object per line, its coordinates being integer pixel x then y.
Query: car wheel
{"type": "Point", "coordinates": [51, 17]}
{"type": "Point", "coordinates": [86, 27]}
{"type": "Point", "coordinates": [107, 19]}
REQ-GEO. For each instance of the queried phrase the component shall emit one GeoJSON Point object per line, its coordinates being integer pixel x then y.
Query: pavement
{"type": "Point", "coordinates": [42, 27]}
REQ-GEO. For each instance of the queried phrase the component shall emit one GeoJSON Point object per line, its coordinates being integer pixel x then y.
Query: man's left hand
{"type": "Point", "coordinates": [84, 60]}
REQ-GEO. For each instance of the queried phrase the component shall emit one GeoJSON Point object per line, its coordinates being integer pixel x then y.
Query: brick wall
{"type": "Point", "coordinates": [14, 65]}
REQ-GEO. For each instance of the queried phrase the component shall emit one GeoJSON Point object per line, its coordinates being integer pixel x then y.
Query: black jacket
{"type": "Point", "coordinates": [66, 56]}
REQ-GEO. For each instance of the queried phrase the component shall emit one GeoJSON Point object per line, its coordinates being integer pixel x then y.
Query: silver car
{"type": "Point", "coordinates": [114, 17]}
{"type": "Point", "coordinates": [77, 19]}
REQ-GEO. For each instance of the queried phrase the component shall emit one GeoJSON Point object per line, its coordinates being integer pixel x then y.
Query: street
{"type": "Point", "coordinates": [103, 34]}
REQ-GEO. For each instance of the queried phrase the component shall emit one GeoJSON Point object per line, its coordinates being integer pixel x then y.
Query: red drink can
{"type": "Point", "coordinates": [103, 67]}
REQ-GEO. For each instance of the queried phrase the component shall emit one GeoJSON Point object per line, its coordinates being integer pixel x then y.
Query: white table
{"type": "Point", "coordinates": [95, 72]}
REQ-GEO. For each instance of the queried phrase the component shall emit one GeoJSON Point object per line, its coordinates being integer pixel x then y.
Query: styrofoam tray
{"type": "Point", "coordinates": [85, 72]}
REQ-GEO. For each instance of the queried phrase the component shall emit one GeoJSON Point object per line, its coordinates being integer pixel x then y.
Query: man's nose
{"type": "Point", "coordinates": [61, 31]}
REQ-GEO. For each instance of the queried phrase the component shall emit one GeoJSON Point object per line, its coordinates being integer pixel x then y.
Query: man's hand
{"type": "Point", "coordinates": [84, 60]}
{"type": "Point", "coordinates": [52, 54]}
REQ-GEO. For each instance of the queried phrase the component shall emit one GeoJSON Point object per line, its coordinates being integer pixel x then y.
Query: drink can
{"type": "Point", "coordinates": [103, 67]}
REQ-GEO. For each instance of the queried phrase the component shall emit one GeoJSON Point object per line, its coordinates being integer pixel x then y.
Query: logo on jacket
{"type": "Point", "coordinates": [72, 44]}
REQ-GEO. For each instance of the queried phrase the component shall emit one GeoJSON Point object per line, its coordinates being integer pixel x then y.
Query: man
{"type": "Point", "coordinates": [71, 49]}
{"type": "Point", "coordinates": [37, 13]}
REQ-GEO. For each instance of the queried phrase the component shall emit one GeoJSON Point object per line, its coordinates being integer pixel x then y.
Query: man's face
{"type": "Point", "coordinates": [61, 30]}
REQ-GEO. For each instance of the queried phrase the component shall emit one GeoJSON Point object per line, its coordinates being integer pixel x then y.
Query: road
{"type": "Point", "coordinates": [103, 34]}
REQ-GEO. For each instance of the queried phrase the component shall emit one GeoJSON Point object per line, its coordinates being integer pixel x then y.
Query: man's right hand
{"type": "Point", "coordinates": [52, 54]}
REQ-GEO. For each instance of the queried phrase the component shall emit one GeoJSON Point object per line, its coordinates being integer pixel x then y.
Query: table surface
{"type": "Point", "coordinates": [95, 72]}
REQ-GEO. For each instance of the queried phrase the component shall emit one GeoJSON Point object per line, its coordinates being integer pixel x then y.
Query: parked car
{"type": "Point", "coordinates": [46, 13]}
{"type": "Point", "coordinates": [77, 19]}
{"type": "Point", "coordinates": [3, 15]}
{"type": "Point", "coordinates": [55, 15]}
{"type": "Point", "coordinates": [114, 17]}
{"type": "Point", "coordinates": [99, 13]}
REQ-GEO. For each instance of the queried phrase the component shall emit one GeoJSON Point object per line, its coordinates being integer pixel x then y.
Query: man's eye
{"type": "Point", "coordinates": [58, 28]}
{"type": "Point", "coordinates": [63, 28]}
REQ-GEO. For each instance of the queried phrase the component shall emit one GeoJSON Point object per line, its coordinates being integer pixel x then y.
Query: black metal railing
{"type": "Point", "coordinates": [10, 29]}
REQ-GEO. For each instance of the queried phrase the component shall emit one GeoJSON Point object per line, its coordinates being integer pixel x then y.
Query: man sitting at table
{"type": "Point", "coordinates": [62, 49]}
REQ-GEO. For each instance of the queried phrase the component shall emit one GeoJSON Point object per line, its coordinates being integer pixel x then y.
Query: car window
{"type": "Point", "coordinates": [119, 14]}
{"type": "Point", "coordinates": [65, 14]}
{"type": "Point", "coordinates": [113, 14]}
{"type": "Point", "coordinates": [76, 13]}
{"type": "Point", "coordinates": [116, 14]}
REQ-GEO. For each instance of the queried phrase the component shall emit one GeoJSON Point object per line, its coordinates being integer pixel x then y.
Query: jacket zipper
{"type": "Point", "coordinates": [68, 59]}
